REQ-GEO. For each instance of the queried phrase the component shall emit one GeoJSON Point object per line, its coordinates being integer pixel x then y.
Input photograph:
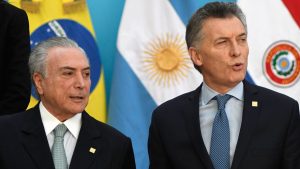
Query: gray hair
{"type": "Point", "coordinates": [38, 56]}
{"type": "Point", "coordinates": [211, 10]}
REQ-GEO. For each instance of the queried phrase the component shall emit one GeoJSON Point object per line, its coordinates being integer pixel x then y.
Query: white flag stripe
{"type": "Point", "coordinates": [268, 21]}
{"type": "Point", "coordinates": [143, 22]}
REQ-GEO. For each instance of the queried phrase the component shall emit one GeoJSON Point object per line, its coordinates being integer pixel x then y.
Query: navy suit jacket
{"type": "Point", "coordinates": [24, 144]}
{"type": "Point", "coordinates": [269, 137]}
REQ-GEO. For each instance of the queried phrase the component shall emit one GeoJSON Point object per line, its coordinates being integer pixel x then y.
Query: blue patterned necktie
{"type": "Point", "coordinates": [220, 138]}
{"type": "Point", "coordinates": [58, 150]}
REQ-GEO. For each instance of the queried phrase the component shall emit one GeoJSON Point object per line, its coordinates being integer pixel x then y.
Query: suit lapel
{"type": "Point", "coordinates": [34, 139]}
{"type": "Point", "coordinates": [88, 145]}
{"type": "Point", "coordinates": [191, 116]}
{"type": "Point", "coordinates": [249, 121]}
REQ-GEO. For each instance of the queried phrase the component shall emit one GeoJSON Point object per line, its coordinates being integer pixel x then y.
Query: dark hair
{"type": "Point", "coordinates": [211, 10]}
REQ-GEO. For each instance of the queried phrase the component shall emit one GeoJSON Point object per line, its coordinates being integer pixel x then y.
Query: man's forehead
{"type": "Point", "coordinates": [64, 50]}
{"type": "Point", "coordinates": [67, 58]}
{"type": "Point", "coordinates": [61, 53]}
{"type": "Point", "coordinates": [223, 25]}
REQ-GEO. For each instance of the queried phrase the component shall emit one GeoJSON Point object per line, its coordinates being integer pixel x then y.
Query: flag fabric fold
{"type": "Point", "coordinates": [274, 41]}
{"type": "Point", "coordinates": [152, 66]}
{"type": "Point", "coordinates": [145, 75]}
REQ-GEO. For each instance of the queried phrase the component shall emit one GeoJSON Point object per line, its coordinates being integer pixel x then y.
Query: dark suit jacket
{"type": "Point", "coordinates": [269, 136]}
{"type": "Point", "coordinates": [14, 54]}
{"type": "Point", "coordinates": [24, 144]}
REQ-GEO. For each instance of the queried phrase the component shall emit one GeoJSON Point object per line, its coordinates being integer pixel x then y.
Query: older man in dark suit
{"type": "Point", "coordinates": [57, 132]}
{"type": "Point", "coordinates": [226, 122]}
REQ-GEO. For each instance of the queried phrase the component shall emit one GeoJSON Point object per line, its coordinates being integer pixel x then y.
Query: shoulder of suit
{"type": "Point", "coordinates": [106, 129]}
{"type": "Point", "coordinates": [12, 119]}
{"type": "Point", "coordinates": [9, 8]}
{"type": "Point", "coordinates": [271, 94]}
{"type": "Point", "coordinates": [174, 107]}
{"type": "Point", "coordinates": [181, 99]}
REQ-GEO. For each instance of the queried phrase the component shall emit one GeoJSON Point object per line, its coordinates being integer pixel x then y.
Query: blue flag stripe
{"type": "Point", "coordinates": [130, 109]}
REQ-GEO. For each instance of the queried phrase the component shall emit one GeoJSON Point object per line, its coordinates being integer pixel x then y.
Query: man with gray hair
{"type": "Point", "coordinates": [57, 133]}
{"type": "Point", "coordinates": [226, 122]}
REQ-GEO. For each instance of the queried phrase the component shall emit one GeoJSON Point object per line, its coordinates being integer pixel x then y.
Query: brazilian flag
{"type": "Point", "coordinates": [68, 18]}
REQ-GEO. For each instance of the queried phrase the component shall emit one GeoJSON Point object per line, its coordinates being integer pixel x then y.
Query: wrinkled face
{"type": "Point", "coordinates": [222, 53]}
{"type": "Point", "coordinates": [65, 89]}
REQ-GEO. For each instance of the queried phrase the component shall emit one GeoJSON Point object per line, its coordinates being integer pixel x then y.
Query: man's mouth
{"type": "Point", "coordinates": [238, 66]}
{"type": "Point", "coordinates": [77, 98]}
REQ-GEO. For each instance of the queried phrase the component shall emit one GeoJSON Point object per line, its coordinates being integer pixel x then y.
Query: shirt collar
{"type": "Point", "coordinates": [50, 122]}
{"type": "Point", "coordinates": [207, 93]}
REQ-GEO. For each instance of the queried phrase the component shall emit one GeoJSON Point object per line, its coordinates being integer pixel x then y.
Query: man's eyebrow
{"type": "Point", "coordinates": [242, 34]}
{"type": "Point", "coordinates": [72, 68]}
{"type": "Point", "coordinates": [87, 68]}
{"type": "Point", "coordinates": [225, 37]}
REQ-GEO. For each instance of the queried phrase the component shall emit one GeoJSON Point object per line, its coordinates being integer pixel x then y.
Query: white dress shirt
{"type": "Point", "coordinates": [234, 110]}
{"type": "Point", "coordinates": [70, 138]}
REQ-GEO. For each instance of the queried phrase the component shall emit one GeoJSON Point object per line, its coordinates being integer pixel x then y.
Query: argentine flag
{"type": "Point", "coordinates": [153, 66]}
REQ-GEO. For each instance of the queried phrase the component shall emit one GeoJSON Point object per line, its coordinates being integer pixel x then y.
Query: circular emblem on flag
{"type": "Point", "coordinates": [78, 33]}
{"type": "Point", "coordinates": [282, 63]}
{"type": "Point", "coordinates": [166, 61]}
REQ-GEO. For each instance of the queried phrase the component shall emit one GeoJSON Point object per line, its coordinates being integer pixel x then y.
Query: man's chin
{"type": "Point", "coordinates": [76, 110]}
{"type": "Point", "coordinates": [237, 80]}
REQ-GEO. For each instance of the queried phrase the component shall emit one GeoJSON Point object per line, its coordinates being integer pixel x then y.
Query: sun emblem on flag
{"type": "Point", "coordinates": [166, 60]}
{"type": "Point", "coordinates": [282, 63]}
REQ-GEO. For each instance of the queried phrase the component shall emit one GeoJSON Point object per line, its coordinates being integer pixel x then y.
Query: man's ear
{"type": "Point", "coordinates": [37, 80]}
{"type": "Point", "coordinates": [196, 56]}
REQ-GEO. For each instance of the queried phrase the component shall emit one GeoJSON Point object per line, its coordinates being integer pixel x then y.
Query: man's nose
{"type": "Point", "coordinates": [235, 49]}
{"type": "Point", "coordinates": [79, 81]}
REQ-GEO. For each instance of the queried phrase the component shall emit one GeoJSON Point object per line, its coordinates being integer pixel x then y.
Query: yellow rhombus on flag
{"type": "Point", "coordinates": [68, 18]}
